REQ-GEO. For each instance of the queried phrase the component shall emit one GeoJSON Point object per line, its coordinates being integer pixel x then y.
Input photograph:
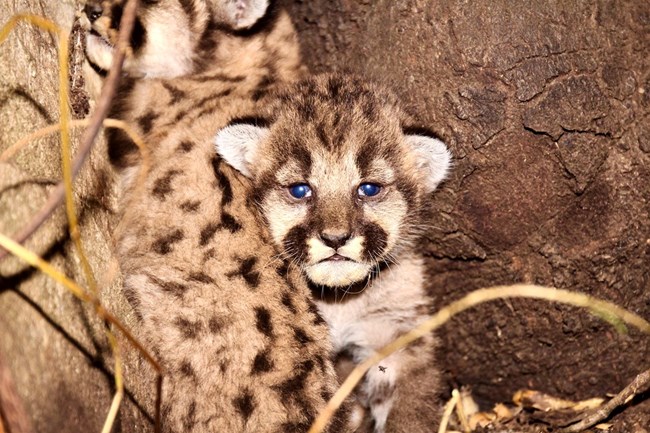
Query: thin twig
{"type": "Point", "coordinates": [12, 411]}
{"type": "Point", "coordinates": [460, 413]}
{"type": "Point", "coordinates": [449, 409]}
{"type": "Point", "coordinates": [639, 385]}
{"type": "Point", "coordinates": [88, 138]}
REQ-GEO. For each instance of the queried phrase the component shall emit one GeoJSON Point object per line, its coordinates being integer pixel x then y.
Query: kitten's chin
{"type": "Point", "coordinates": [337, 273]}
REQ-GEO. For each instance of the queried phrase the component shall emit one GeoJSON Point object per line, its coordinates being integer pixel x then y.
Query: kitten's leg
{"type": "Point", "coordinates": [401, 393]}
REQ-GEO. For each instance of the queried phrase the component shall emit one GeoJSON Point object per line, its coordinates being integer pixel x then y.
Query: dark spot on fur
{"type": "Point", "coordinates": [375, 241]}
{"type": "Point", "coordinates": [247, 272]}
{"type": "Point", "coordinates": [230, 223]}
{"type": "Point", "coordinates": [163, 245]}
{"type": "Point", "coordinates": [215, 325]}
{"type": "Point", "coordinates": [190, 206]}
{"type": "Point", "coordinates": [250, 120]}
{"type": "Point", "coordinates": [122, 151]}
{"type": "Point", "coordinates": [283, 270]}
{"type": "Point", "coordinates": [201, 277]}
{"type": "Point", "coordinates": [187, 370]}
{"type": "Point", "coordinates": [223, 366]}
{"type": "Point", "coordinates": [365, 156]}
{"type": "Point", "coordinates": [245, 405]}
{"type": "Point", "coordinates": [146, 121]}
{"type": "Point", "coordinates": [185, 146]}
{"type": "Point", "coordinates": [295, 242]}
{"type": "Point", "coordinates": [323, 136]}
{"type": "Point", "coordinates": [263, 321]}
{"type": "Point", "coordinates": [302, 156]}
{"type": "Point", "coordinates": [301, 336]}
{"type": "Point", "coordinates": [207, 233]}
{"type": "Point", "coordinates": [209, 254]}
{"type": "Point", "coordinates": [162, 187]}
{"type": "Point", "coordinates": [190, 419]}
{"type": "Point", "coordinates": [189, 8]}
{"type": "Point", "coordinates": [288, 302]}
{"type": "Point", "coordinates": [138, 36]}
{"type": "Point", "coordinates": [171, 287]}
{"type": "Point", "coordinates": [116, 16]}
{"type": "Point", "coordinates": [326, 394]}
{"type": "Point", "coordinates": [291, 388]}
{"type": "Point", "coordinates": [419, 130]}
{"type": "Point", "coordinates": [320, 360]}
{"type": "Point", "coordinates": [207, 44]}
{"type": "Point", "coordinates": [219, 77]}
{"type": "Point", "coordinates": [175, 93]}
{"type": "Point", "coordinates": [223, 181]}
{"type": "Point", "coordinates": [307, 111]}
{"type": "Point", "coordinates": [262, 363]}
{"type": "Point", "coordinates": [259, 94]}
{"type": "Point", "coordinates": [313, 309]}
{"type": "Point", "coordinates": [370, 110]}
{"type": "Point", "coordinates": [334, 87]}
{"type": "Point", "coordinates": [188, 329]}
{"type": "Point", "coordinates": [409, 191]}
{"type": "Point", "coordinates": [134, 300]}
{"type": "Point", "coordinates": [180, 115]}
{"type": "Point", "coordinates": [295, 427]}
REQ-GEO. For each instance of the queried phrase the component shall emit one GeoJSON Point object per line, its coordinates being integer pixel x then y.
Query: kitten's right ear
{"type": "Point", "coordinates": [238, 144]}
{"type": "Point", "coordinates": [242, 14]}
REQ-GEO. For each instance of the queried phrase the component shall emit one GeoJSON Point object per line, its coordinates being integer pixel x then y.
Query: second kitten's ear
{"type": "Point", "coordinates": [241, 14]}
{"type": "Point", "coordinates": [238, 144]}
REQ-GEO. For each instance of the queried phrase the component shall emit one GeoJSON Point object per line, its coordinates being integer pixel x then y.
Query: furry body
{"type": "Point", "coordinates": [341, 176]}
{"type": "Point", "coordinates": [244, 347]}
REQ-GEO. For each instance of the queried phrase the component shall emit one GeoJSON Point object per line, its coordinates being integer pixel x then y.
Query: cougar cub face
{"type": "Point", "coordinates": [169, 37]}
{"type": "Point", "coordinates": [339, 174]}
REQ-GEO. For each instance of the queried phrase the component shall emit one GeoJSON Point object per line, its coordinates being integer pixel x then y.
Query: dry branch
{"type": "Point", "coordinates": [639, 385]}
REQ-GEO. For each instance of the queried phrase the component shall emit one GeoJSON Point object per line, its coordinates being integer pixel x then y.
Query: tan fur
{"type": "Point", "coordinates": [244, 348]}
{"type": "Point", "coordinates": [334, 134]}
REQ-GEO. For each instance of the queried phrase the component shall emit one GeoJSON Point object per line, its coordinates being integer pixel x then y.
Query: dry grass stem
{"type": "Point", "coordinates": [449, 409]}
{"type": "Point", "coordinates": [460, 413]}
{"type": "Point", "coordinates": [607, 310]}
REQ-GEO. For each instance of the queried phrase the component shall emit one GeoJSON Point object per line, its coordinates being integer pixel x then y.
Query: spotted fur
{"type": "Point", "coordinates": [325, 140]}
{"type": "Point", "coordinates": [243, 347]}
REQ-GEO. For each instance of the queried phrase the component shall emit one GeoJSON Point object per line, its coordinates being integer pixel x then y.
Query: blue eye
{"type": "Point", "coordinates": [368, 190]}
{"type": "Point", "coordinates": [300, 191]}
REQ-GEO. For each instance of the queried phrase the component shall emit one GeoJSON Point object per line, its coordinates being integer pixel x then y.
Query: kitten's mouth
{"type": "Point", "coordinates": [336, 258]}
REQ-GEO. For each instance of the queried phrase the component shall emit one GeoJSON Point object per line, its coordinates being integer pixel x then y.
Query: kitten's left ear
{"type": "Point", "coordinates": [242, 14]}
{"type": "Point", "coordinates": [432, 156]}
{"type": "Point", "coordinates": [238, 143]}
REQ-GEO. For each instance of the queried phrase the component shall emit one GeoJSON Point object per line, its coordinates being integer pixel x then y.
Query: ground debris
{"type": "Point", "coordinates": [532, 411]}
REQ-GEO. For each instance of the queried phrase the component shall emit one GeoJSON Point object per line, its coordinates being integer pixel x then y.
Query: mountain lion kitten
{"type": "Point", "coordinates": [342, 177]}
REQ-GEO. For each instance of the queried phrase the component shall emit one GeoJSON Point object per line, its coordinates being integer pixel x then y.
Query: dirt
{"type": "Point", "coordinates": [546, 108]}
